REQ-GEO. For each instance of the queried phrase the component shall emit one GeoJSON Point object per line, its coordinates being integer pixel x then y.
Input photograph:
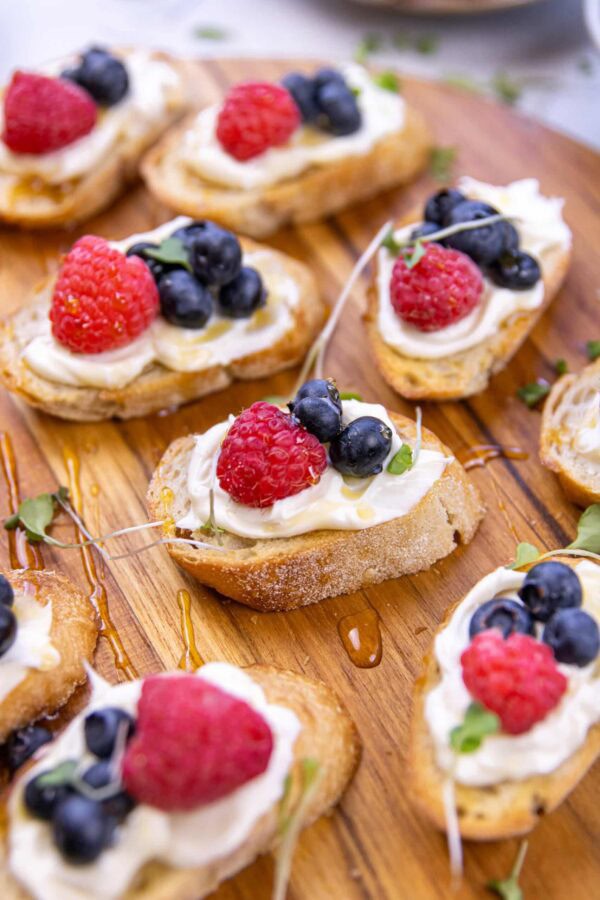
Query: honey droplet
{"type": "Point", "coordinates": [23, 555]}
{"type": "Point", "coordinates": [190, 658]}
{"type": "Point", "coordinates": [361, 637]}
{"type": "Point", "coordinates": [481, 454]}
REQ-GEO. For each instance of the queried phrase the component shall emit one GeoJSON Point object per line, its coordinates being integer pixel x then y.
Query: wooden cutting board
{"type": "Point", "coordinates": [375, 845]}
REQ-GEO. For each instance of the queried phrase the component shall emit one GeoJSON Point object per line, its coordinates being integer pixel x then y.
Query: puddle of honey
{"type": "Point", "coordinates": [22, 554]}
{"type": "Point", "coordinates": [482, 454]}
{"type": "Point", "coordinates": [190, 658]}
{"type": "Point", "coordinates": [214, 331]}
{"type": "Point", "coordinates": [97, 594]}
{"type": "Point", "coordinates": [361, 637]}
{"type": "Point", "coordinates": [35, 188]}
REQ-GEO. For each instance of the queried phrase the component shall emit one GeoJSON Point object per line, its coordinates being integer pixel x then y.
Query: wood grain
{"type": "Point", "coordinates": [375, 845]}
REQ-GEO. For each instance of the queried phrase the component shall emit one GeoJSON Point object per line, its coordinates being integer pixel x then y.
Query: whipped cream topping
{"type": "Point", "coordinates": [187, 839]}
{"type": "Point", "coordinates": [382, 113]}
{"type": "Point", "coordinates": [549, 742]}
{"type": "Point", "coordinates": [586, 438]}
{"type": "Point", "coordinates": [150, 83]}
{"type": "Point", "coordinates": [335, 502]}
{"type": "Point", "coordinates": [32, 647]}
{"type": "Point", "coordinates": [220, 342]}
{"type": "Point", "coordinates": [542, 233]}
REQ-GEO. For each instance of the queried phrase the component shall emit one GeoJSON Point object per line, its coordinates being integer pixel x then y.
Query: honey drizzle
{"type": "Point", "coordinates": [361, 637]}
{"type": "Point", "coordinates": [481, 454]}
{"type": "Point", "coordinates": [190, 658]}
{"type": "Point", "coordinates": [22, 554]}
{"type": "Point", "coordinates": [97, 595]}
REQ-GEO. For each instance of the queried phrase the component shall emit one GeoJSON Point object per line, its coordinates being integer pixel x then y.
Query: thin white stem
{"type": "Point", "coordinates": [456, 229]}
{"type": "Point", "coordinates": [198, 545]}
{"type": "Point", "coordinates": [452, 829]}
{"type": "Point", "coordinates": [419, 438]}
{"type": "Point", "coordinates": [516, 872]}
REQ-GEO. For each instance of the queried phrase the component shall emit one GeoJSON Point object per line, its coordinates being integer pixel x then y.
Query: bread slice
{"type": "Point", "coordinates": [73, 632]}
{"type": "Point", "coordinates": [564, 411]}
{"type": "Point", "coordinates": [468, 372]}
{"type": "Point", "coordinates": [157, 387]}
{"type": "Point", "coordinates": [315, 194]}
{"type": "Point", "coordinates": [328, 735]}
{"type": "Point", "coordinates": [285, 573]}
{"type": "Point", "coordinates": [32, 204]}
{"type": "Point", "coordinates": [498, 811]}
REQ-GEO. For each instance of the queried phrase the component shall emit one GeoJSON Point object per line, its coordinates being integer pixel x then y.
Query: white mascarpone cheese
{"type": "Point", "coordinates": [32, 648]}
{"type": "Point", "coordinates": [586, 438]}
{"type": "Point", "coordinates": [220, 342]}
{"type": "Point", "coordinates": [542, 232]}
{"type": "Point", "coordinates": [382, 113]}
{"type": "Point", "coordinates": [150, 82]}
{"type": "Point", "coordinates": [187, 839]}
{"type": "Point", "coordinates": [334, 502]}
{"type": "Point", "coordinates": [548, 743]}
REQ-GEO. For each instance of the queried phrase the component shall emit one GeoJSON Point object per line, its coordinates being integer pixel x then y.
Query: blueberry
{"type": "Point", "coordinates": [101, 728]}
{"type": "Point", "coordinates": [243, 295]}
{"type": "Point", "coordinates": [41, 801]}
{"type": "Point", "coordinates": [511, 238]}
{"type": "Point", "coordinates": [423, 230]}
{"type": "Point", "coordinates": [157, 268]}
{"type": "Point", "coordinates": [439, 205]}
{"type": "Point", "coordinates": [184, 300]}
{"type": "Point", "coordinates": [548, 587]}
{"type": "Point", "coordinates": [22, 744]}
{"type": "Point", "coordinates": [118, 803]}
{"type": "Point", "coordinates": [81, 829]}
{"type": "Point", "coordinates": [7, 595]}
{"type": "Point", "coordinates": [485, 244]}
{"type": "Point", "coordinates": [515, 270]}
{"type": "Point", "coordinates": [573, 636]}
{"type": "Point", "coordinates": [339, 108]}
{"type": "Point", "coordinates": [361, 447]}
{"type": "Point", "coordinates": [187, 233]}
{"type": "Point", "coordinates": [319, 416]}
{"type": "Point", "coordinates": [303, 94]}
{"type": "Point", "coordinates": [508, 616]}
{"type": "Point", "coordinates": [8, 629]}
{"type": "Point", "coordinates": [215, 255]}
{"type": "Point", "coordinates": [328, 76]}
{"type": "Point", "coordinates": [101, 75]}
{"type": "Point", "coordinates": [318, 387]}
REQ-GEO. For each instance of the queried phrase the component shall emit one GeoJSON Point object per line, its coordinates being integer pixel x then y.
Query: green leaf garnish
{"type": "Point", "coordinates": [588, 530]}
{"type": "Point", "coordinates": [369, 44]}
{"type": "Point", "coordinates": [61, 774]}
{"type": "Point", "coordinates": [390, 243]}
{"type": "Point", "coordinates": [170, 251]}
{"type": "Point", "coordinates": [508, 888]}
{"type": "Point", "coordinates": [506, 89]}
{"type": "Point", "coordinates": [478, 723]}
{"type": "Point", "coordinates": [35, 514]}
{"type": "Point", "coordinates": [401, 461]}
{"type": "Point", "coordinates": [532, 393]}
{"type": "Point", "coordinates": [389, 81]}
{"type": "Point", "coordinates": [561, 366]}
{"type": "Point", "coordinates": [275, 399]}
{"type": "Point", "coordinates": [356, 91]}
{"type": "Point", "coordinates": [350, 395]}
{"type": "Point", "coordinates": [210, 33]}
{"type": "Point", "coordinates": [526, 553]}
{"type": "Point", "coordinates": [414, 255]}
{"type": "Point", "coordinates": [441, 163]}
{"type": "Point", "coordinates": [427, 44]}
{"type": "Point", "coordinates": [592, 348]}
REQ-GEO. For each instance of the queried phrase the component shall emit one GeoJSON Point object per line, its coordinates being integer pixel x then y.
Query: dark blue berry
{"type": "Point", "coordinates": [328, 76]}
{"type": "Point", "coordinates": [515, 270]}
{"type": "Point", "coordinates": [319, 416]}
{"type": "Point", "coordinates": [508, 616]}
{"type": "Point", "coordinates": [573, 636]}
{"type": "Point", "coordinates": [318, 387]}
{"type": "Point", "coordinates": [101, 728]}
{"type": "Point", "coordinates": [101, 75]}
{"type": "Point", "coordinates": [439, 205]}
{"type": "Point", "coordinates": [303, 94]}
{"type": "Point", "coordinates": [424, 229]}
{"type": "Point", "coordinates": [118, 803]}
{"type": "Point", "coordinates": [187, 233]}
{"type": "Point", "coordinates": [184, 300]}
{"type": "Point", "coordinates": [81, 829]}
{"type": "Point", "coordinates": [215, 255]}
{"type": "Point", "coordinates": [511, 238]}
{"type": "Point", "coordinates": [485, 244]}
{"type": "Point", "coordinates": [339, 108]}
{"type": "Point", "coordinates": [22, 744]}
{"type": "Point", "coordinates": [7, 595]}
{"type": "Point", "coordinates": [42, 800]}
{"type": "Point", "coordinates": [361, 447]}
{"type": "Point", "coordinates": [548, 587]}
{"type": "Point", "coordinates": [8, 629]}
{"type": "Point", "coordinates": [157, 268]}
{"type": "Point", "coordinates": [243, 295]}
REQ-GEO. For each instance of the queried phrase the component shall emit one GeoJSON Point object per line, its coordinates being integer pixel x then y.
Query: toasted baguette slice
{"type": "Point", "coordinates": [157, 387]}
{"type": "Point", "coordinates": [571, 399]}
{"type": "Point", "coordinates": [32, 204]}
{"type": "Point", "coordinates": [328, 735]}
{"type": "Point", "coordinates": [314, 194]}
{"type": "Point", "coordinates": [499, 811]}
{"type": "Point", "coordinates": [466, 373]}
{"type": "Point", "coordinates": [73, 632]}
{"type": "Point", "coordinates": [285, 573]}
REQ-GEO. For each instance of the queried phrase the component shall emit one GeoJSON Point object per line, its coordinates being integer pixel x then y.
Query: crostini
{"type": "Point", "coordinates": [570, 436]}
{"type": "Point", "coordinates": [74, 132]}
{"type": "Point", "coordinates": [310, 503]}
{"type": "Point", "coordinates": [442, 320]}
{"type": "Point", "coordinates": [508, 707]}
{"type": "Point", "coordinates": [277, 154]}
{"type": "Point", "coordinates": [48, 630]}
{"type": "Point", "coordinates": [156, 320]}
{"type": "Point", "coordinates": [167, 786]}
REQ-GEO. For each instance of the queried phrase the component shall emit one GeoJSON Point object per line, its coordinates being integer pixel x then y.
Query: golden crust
{"type": "Point", "coordinates": [500, 811]}
{"type": "Point", "coordinates": [73, 632]}
{"type": "Point", "coordinates": [328, 735]}
{"type": "Point", "coordinates": [285, 573]}
{"type": "Point", "coordinates": [319, 192]}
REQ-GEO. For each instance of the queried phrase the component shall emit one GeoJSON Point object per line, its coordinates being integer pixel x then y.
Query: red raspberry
{"type": "Point", "coordinates": [255, 116]}
{"type": "Point", "coordinates": [443, 287]}
{"type": "Point", "coordinates": [516, 678]}
{"type": "Point", "coordinates": [42, 114]}
{"type": "Point", "coordinates": [102, 299]}
{"type": "Point", "coordinates": [193, 744]}
{"type": "Point", "coordinates": [267, 456]}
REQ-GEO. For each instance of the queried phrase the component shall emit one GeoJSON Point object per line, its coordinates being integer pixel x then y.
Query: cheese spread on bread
{"type": "Point", "coordinates": [32, 647]}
